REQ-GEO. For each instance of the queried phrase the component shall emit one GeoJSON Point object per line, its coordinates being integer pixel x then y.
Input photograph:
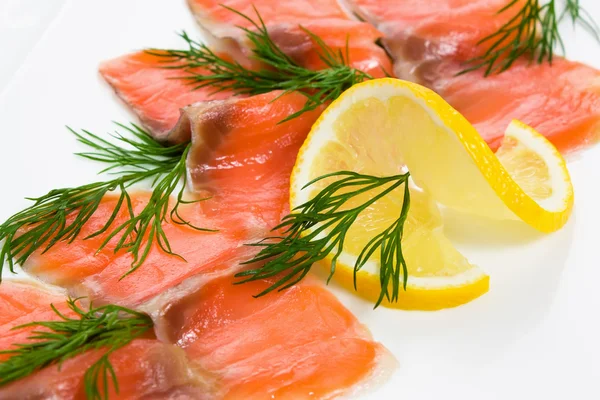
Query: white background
{"type": "Point", "coordinates": [535, 335]}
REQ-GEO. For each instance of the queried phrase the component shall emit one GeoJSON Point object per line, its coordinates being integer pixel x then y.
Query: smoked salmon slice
{"type": "Point", "coordinates": [430, 42]}
{"type": "Point", "coordinates": [241, 158]}
{"type": "Point", "coordinates": [152, 91]}
{"type": "Point", "coordinates": [300, 343]}
{"type": "Point", "coordinates": [561, 101]}
{"type": "Point", "coordinates": [325, 18]}
{"type": "Point", "coordinates": [77, 267]}
{"type": "Point", "coordinates": [146, 368]}
{"type": "Point", "coordinates": [420, 30]}
{"type": "Point", "coordinates": [22, 303]}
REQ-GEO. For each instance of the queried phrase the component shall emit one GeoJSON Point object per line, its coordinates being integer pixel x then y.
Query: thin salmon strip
{"type": "Point", "coordinates": [243, 156]}
{"type": "Point", "coordinates": [76, 267]}
{"type": "Point", "coordinates": [325, 18]}
{"type": "Point", "coordinates": [146, 368]}
{"type": "Point", "coordinates": [300, 343]}
{"type": "Point", "coordinates": [212, 14]}
{"type": "Point", "coordinates": [22, 303]}
{"type": "Point", "coordinates": [240, 157]}
{"type": "Point", "coordinates": [561, 101]}
{"type": "Point", "coordinates": [430, 41]}
{"type": "Point", "coordinates": [152, 91]}
{"type": "Point", "coordinates": [436, 29]}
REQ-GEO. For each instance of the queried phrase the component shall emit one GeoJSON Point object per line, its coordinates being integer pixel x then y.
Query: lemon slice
{"type": "Point", "coordinates": [380, 126]}
{"type": "Point", "coordinates": [540, 171]}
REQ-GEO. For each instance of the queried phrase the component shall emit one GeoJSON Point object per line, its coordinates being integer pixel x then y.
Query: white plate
{"type": "Point", "coordinates": [536, 334]}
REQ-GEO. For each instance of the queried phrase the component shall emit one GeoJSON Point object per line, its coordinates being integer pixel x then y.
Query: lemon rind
{"type": "Point", "coordinates": [415, 297]}
{"type": "Point", "coordinates": [562, 197]}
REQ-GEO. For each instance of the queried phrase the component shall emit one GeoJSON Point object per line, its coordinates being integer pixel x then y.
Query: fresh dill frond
{"type": "Point", "coordinates": [320, 226]}
{"type": "Point", "coordinates": [279, 71]}
{"type": "Point", "coordinates": [106, 329]}
{"type": "Point", "coordinates": [61, 214]}
{"type": "Point", "coordinates": [533, 33]}
{"type": "Point", "coordinates": [581, 16]}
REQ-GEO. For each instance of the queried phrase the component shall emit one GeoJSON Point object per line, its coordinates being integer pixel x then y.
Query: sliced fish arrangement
{"type": "Point", "coordinates": [298, 137]}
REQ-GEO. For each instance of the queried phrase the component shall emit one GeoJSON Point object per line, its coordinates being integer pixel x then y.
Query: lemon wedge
{"type": "Point", "coordinates": [382, 126]}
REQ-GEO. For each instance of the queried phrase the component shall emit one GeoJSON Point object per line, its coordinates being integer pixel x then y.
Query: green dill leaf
{"type": "Point", "coordinates": [532, 33]}
{"type": "Point", "coordinates": [318, 228]}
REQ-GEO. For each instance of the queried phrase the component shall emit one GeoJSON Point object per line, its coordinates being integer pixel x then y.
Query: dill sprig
{"type": "Point", "coordinates": [319, 227]}
{"type": "Point", "coordinates": [279, 72]}
{"type": "Point", "coordinates": [533, 32]}
{"type": "Point", "coordinates": [107, 329]}
{"type": "Point", "coordinates": [61, 214]}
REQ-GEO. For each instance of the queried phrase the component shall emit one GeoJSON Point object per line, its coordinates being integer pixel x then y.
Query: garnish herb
{"type": "Point", "coordinates": [319, 227]}
{"type": "Point", "coordinates": [532, 32]}
{"type": "Point", "coordinates": [106, 329]}
{"type": "Point", "coordinates": [280, 71]}
{"type": "Point", "coordinates": [61, 213]}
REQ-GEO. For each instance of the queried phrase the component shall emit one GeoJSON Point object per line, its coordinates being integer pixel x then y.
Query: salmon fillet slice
{"type": "Point", "coordinates": [300, 343]}
{"type": "Point", "coordinates": [242, 158]}
{"type": "Point", "coordinates": [146, 368]}
{"type": "Point", "coordinates": [153, 92]}
{"type": "Point", "coordinates": [76, 267]}
{"type": "Point", "coordinates": [430, 41]}
{"type": "Point", "coordinates": [561, 101]}
{"type": "Point", "coordinates": [325, 18]}
{"type": "Point", "coordinates": [434, 29]}
{"type": "Point", "coordinates": [22, 303]}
